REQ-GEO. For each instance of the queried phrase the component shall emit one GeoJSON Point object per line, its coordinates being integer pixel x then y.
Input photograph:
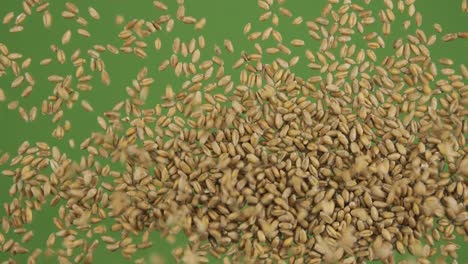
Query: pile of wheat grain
{"type": "Point", "coordinates": [254, 162]}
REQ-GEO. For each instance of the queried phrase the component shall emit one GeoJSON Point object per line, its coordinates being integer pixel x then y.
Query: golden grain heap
{"type": "Point", "coordinates": [358, 157]}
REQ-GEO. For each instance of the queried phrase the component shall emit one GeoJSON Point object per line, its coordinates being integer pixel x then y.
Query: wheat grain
{"type": "Point", "coordinates": [66, 37]}
{"type": "Point", "coordinates": [84, 32]}
{"type": "Point", "coordinates": [93, 13]}
{"type": "Point", "coordinates": [86, 106]}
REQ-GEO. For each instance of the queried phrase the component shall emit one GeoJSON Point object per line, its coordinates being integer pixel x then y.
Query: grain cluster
{"type": "Point", "coordinates": [356, 158]}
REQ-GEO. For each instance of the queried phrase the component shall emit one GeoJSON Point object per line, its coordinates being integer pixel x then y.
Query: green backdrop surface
{"type": "Point", "coordinates": [225, 20]}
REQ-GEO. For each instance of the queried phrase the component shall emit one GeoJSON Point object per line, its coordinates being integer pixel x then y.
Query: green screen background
{"type": "Point", "coordinates": [225, 20]}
